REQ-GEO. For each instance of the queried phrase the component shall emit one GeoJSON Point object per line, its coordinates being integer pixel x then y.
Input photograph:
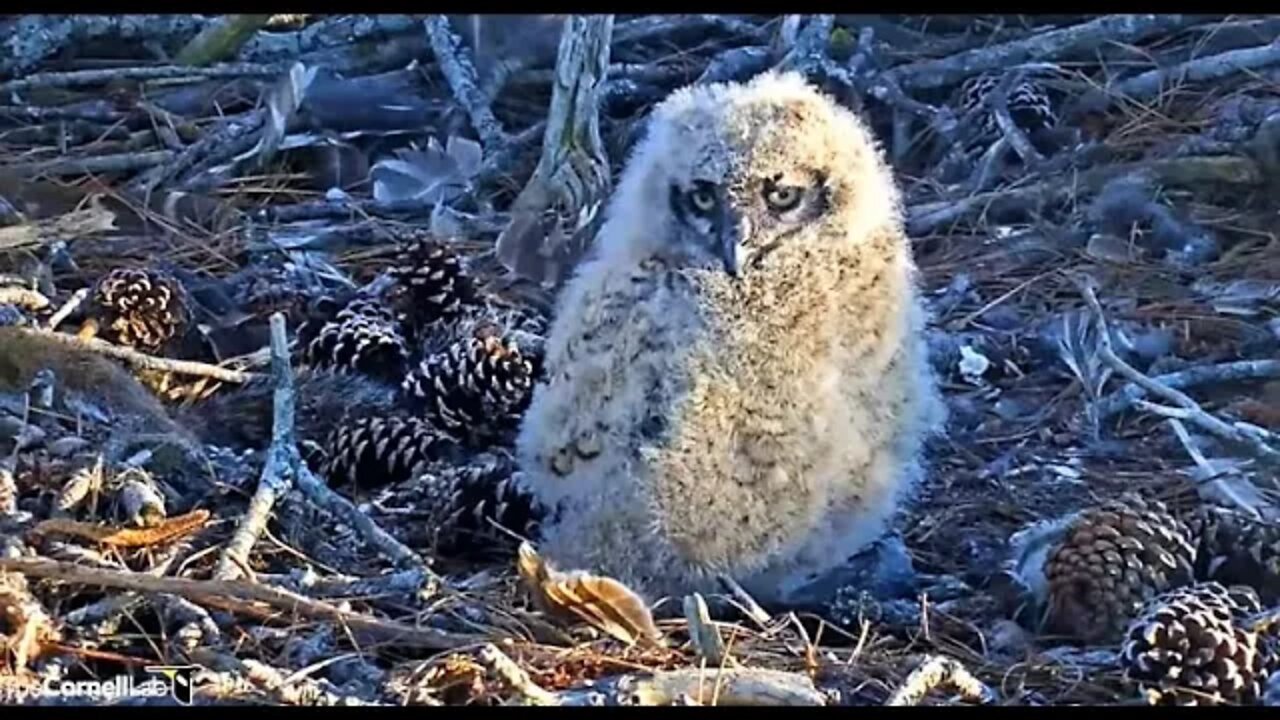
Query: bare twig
{"type": "Point", "coordinates": [514, 677]}
{"type": "Point", "coordinates": [749, 605]}
{"type": "Point", "coordinates": [288, 689]}
{"type": "Point", "coordinates": [1191, 377]}
{"type": "Point", "coordinates": [923, 218]}
{"type": "Point", "coordinates": [400, 582]}
{"type": "Point", "coordinates": [651, 27]}
{"type": "Point", "coordinates": [1081, 38]}
{"type": "Point", "coordinates": [72, 304]}
{"type": "Point", "coordinates": [1208, 471]}
{"type": "Point", "coordinates": [212, 590]}
{"type": "Point", "coordinates": [220, 39]}
{"type": "Point", "coordinates": [81, 78]}
{"type": "Point", "coordinates": [939, 671]}
{"type": "Point", "coordinates": [1215, 67]}
{"type": "Point", "coordinates": [120, 163]}
{"type": "Point", "coordinates": [728, 686]}
{"type": "Point", "coordinates": [1194, 413]}
{"type": "Point", "coordinates": [703, 633]}
{"type": "Point", "coordinates": [455, 63]}
{"type": "Point", "coordinates": [999, 100]}
{"type": "Point", "coordinates": [331, 32]}
{"type": "Point", "coordinates": [277, 471]}
{"type": "Point", "coordinates": [90, 113]}
{"type": "Point", "coordinates": [32, 38]}
{"type": "Point", "coordinates": [141, 360]}
{"type": "Point", "coordinates": [810, 49]}
{"type": "Point", "coordinates": [216, 146]}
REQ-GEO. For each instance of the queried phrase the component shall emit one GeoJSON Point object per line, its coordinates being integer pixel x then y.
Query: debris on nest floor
{"type": "Point", "coordinates": [285, 238]}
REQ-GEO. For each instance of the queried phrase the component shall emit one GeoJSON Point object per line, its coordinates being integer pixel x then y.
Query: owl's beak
{"type": "Point", "coordinates": [733, 233]}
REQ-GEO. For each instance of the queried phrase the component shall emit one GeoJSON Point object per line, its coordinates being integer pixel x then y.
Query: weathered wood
{"type": "Point", "coordinates": [551, 218]}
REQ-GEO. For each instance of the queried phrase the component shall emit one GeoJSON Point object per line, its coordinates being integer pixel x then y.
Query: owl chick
{"type": "Point", "coordinates": [736, 381]}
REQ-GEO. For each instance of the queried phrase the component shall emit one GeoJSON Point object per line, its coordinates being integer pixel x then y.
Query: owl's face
{"type": "Point", "coordinates": [741, 172]}
{"type": "Point", "coordinates": [734, 222]}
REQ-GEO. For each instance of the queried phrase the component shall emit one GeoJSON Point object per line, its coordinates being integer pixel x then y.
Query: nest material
{"type": "Point", "coordinates": [1237, 550]}
{"type": "Point", "coordinates": [376, 451]}
{"type": "Point", "coordinates": [476, 389]}
{"type": "Point", "coordinates": [140, 308]}
{"type": "Point", "coordinates": [1189, 648]}
{"type": "Point", "coordinates": [1112, 559]}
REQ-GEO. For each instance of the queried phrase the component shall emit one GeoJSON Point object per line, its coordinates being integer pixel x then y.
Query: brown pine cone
{"type": "Point", "coordinates": [1234, 549]}
{"type": "Point", "coordinates": [1189, 648]}
{"type": "Point", "coordinates": [476, 389]}
{"type": "Point", "coordinates": [362, 337]}
{"type": "Point", "coordinates": [1029, 104]}
{"type": "Point", "coordinates": [431, 284]}
{"type": "Point", "coordinates": [140, 308]}
{"type": "Point", "coordinates": [1111, 560]}
{"type": "Point", "coordinates": [376, 451]}
{"type": "Point", "coordinates": [454, 508]}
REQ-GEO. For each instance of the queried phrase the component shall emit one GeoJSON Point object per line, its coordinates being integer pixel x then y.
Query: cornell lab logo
{"type": "Point", "coordinates": [171, 680]}
{"type": "Point", "coordinates": [179, 677]}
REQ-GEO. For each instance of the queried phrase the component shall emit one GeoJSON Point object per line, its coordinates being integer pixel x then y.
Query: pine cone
{"type": "Point", "coordinates": [431, 284]}
{"type": "Point", "coordinates": [1111, 560]}
{"type": "Point", "coordinates": [376, 451]}
{"type": "Point", "coordinates": [1188, 648]}
{"type": "Point", "coordinates": [363, 337]}
{"type": "Point", "coordinates": [454, 508]}
{"type": "Point", "coordinates": [325, 398]}
{"type": "Point", "coordinates": [144, 309]}
{"type": "Point", "coordinates": [1234, 549]}
{"type": "Point", "coordinates": [1029, 105]}
{"type": "Point", "coordinates": [476, 389]}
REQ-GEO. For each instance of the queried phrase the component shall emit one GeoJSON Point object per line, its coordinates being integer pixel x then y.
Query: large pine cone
{"type": "Point", "coordinates": [454, 509]}
{"type": "Point", "coordinates": [431, 285]}
{"type": "Point", "coordinates": [1111, 560]}
{"type": "Point", "coordinates": [375, 451]}
{"type": "Point", "coordinates": [363, 337]}
{"type": "Point", "coordinates": [1189, 648]}
{"type": "Point", "coordinates": [477, 389]}
{"type": "Point", "coordinates": [140, 308]}
{"type": "Point", "coordinates": [1234, 549]}
{"type": "Point", "coordinates": [1029, 104]}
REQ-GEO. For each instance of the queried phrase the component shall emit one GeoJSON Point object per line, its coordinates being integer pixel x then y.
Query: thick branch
{"type": "Point", "coordinates": [212, 590]}
{"type": "Point", "coordinates": [928, 74]}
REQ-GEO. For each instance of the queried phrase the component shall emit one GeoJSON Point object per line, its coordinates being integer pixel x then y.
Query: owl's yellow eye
{"type": "Point", "coordinates": [781, 198]}
{"type": "Point", "coordinates": [703, 200]}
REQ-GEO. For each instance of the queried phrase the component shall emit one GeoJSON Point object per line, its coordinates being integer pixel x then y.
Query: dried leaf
{"type": "Point", "coordinates": [167, 530]}
{"type": "Point", "coordinates": [83, 482]}
{"type": "Point", "coordinates": [602, 602]}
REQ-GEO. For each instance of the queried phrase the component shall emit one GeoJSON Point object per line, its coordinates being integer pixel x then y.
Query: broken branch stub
{"type": "Point", "coordinates": [554, 216]}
